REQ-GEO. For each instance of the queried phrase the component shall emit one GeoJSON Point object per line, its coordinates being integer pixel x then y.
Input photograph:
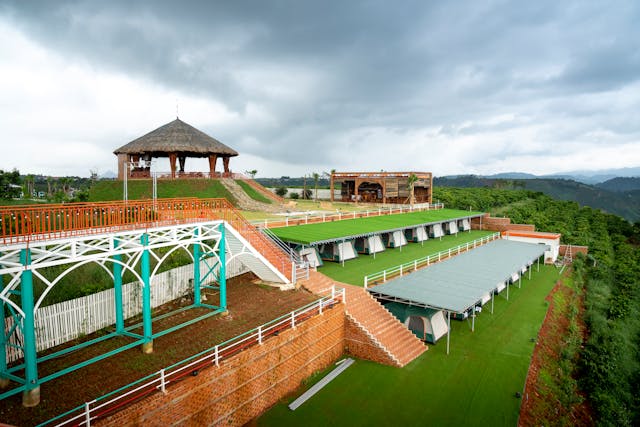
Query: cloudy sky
{"type": "Point", "coordinates": [302, 86]}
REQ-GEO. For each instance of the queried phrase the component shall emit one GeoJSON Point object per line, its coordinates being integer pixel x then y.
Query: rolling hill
{"type": "Point", "coordinates": [625, 204]}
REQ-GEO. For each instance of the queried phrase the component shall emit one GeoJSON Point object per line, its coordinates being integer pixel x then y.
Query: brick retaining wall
{"type": "Point", "coordinates": [246, 385]}
{"type": "Point", "coordinates": [499, 224]}
{"type": "Point", "coordinates": [360, 345]}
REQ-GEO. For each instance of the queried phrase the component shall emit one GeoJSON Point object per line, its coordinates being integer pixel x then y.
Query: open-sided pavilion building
{"type": "Point", "coordinates": [176, 140]}
{"type": "Point", "coordinates": [383, 187]}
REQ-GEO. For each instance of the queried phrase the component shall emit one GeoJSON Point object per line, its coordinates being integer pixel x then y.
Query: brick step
{"type": "Point", "coordinates": [378, 322]}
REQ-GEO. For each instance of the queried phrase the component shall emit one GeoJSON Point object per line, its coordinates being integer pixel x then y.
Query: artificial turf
{"type": "Point", "coordinates": [309, 233]}
{"type": "Point", "coordinates": [475, 384]}
{"type": "Point", "coordinates": [354, 270]}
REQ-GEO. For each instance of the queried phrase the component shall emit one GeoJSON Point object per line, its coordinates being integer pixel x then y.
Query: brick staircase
{"type": "Point", "coordinates": [274, 254]}
{"type": "Point", "coordinates": [399, 345]}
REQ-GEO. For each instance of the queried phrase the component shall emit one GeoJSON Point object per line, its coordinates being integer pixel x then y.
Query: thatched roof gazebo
{"type": "Point", "coordinates": [175, 140]}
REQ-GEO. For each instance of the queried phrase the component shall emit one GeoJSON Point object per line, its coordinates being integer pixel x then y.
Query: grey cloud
{"type": "Point", "coordinates": [401, 66]}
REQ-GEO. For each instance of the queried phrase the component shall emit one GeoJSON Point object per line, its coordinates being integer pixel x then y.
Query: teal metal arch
{"type": "Point", "coordinates": [138, 255]}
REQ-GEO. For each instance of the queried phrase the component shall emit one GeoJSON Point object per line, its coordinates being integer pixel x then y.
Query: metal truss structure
{"type": "Point", "coordinates": [116, 253]}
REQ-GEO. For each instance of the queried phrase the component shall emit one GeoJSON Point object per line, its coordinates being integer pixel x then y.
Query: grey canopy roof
{"type": "Point", "coordinates": [458, 283]}
{"type": "Point", "coordinates": [177, 137]}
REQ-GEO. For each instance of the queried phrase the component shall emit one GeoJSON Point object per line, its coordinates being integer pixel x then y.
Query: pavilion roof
{"type": "Point", "coordinates": [177, 137]}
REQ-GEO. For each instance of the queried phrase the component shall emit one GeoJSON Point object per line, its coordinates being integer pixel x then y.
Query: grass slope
{"type": "Point", "coordinates": [474, 385]}
{"type": "Point", "coordinates": [354, 270]}
{"type": "Point", "coordinates": [308, 233]}
{"type": "Point", "coordinates": [142, 189]}
{"type": "Point", "coordinates": [251, 192]}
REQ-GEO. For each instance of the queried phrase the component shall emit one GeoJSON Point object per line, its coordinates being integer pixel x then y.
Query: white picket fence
{"type": "Point", "coordinates": [60, 323]}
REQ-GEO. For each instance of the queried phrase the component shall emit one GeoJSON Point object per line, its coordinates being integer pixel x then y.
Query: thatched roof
{"type": "Point", "coordinates": [177, 137]}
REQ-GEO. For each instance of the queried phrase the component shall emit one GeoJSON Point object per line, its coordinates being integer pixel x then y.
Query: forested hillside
{"type": "Point", "coordinates": [607, 365]}
{"type": "Point", "coordinates": [626, 205]}
{"type": "Point", "coordinates": [621, 184]}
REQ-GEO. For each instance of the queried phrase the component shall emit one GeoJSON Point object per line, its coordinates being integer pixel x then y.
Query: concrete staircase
{"type": "Point", "coordinates": [385, 332]}
{"type": "Point", "coordinates": [244, 201]}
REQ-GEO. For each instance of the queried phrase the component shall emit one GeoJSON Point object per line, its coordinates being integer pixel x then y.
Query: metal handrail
{"type": "Point", "coordinates": [21, 224]}
{"type": "Point", "coordinates": [159, 381]}
{"type": "Point", "coordinates": [307, 218]}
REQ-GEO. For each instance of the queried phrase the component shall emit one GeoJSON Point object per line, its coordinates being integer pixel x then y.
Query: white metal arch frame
{"type": "Point", "coordinates": [128, 250]}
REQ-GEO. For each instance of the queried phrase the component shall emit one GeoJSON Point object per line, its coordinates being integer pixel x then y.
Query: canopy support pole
{"type": "Point", "coordinates": [493, 293]}
{"type": "Point", "coordinates": [473, 319]}
{"type": "Point", "coordinates": [448, 329]}
{"type": "Point", "coordinates": [538, 263]}
{"type": "Point", "coordinates": [508, 289]}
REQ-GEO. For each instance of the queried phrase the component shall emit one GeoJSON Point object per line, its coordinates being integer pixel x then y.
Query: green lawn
{"type": "Point", "coordinates": [20, 202]}
{"type": "Point", "coordinates": [309, 233]}
{"type": "Point", "coordinates": [142, 189]}
{"type": "Point", "coordinates": [251, 192]}
{"type": "Point", "coordinates": [354, 270]}
{"type": "Point", "coordinates": [474, 385]}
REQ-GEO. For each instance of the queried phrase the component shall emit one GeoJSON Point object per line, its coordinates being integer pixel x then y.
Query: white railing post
{"type": "Point", "coordinates": [400, 269]}
{"type": "Point", "coordinates": [333, 291]}
{"type": "Point", "coordinates": [306, 219]}
{"type": "Point", "coordinates": [344, 295]}
{"type": "Point", "coordinates": [87, 411]}
{"type": "Point", "coordinates": [163, 388]}
{"type": "Point", "coordinates": [293, 320]}
{"type": "Point", "coordinates": [439, 253]}
{"type": "Point", "coordinates": [216, 356]}
{"type": "Point", "coordinates": [286, 221]}
{"type": "Point", "coordinates": [322, 216]}
{"type": "Point", "coordinates": [260, 334]}
{"type": "Point", "coordinates": [384, 275]}
{"type": "Point", "coordinates": [415, 264]}
{"type": "Point", "coordinates": [320, 306]}
{"type": "Point", "coordinates": [366, 281]}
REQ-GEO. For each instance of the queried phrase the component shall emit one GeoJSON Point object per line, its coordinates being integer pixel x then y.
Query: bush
{"type": "Point", "coordinates": [281, 191]}
{"type": "Point", "coordinates": [294, 196]}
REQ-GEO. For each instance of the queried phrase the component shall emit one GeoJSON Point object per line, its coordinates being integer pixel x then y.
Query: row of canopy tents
{"type": "Point", "coordinates": [349, 248]}
{"type": "Point", "coordinates": [456, 287]}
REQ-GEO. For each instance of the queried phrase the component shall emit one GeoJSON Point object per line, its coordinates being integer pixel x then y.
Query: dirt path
{"type": "Point", "coordinates": [537, 408]}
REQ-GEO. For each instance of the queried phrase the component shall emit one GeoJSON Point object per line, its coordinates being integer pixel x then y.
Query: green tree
{"type": "Point", "coordinates": [281, 191]}
{"type": "Point", "coordinates": [411, 183]}
{"type": "Point", "coordinates": [316, 178]}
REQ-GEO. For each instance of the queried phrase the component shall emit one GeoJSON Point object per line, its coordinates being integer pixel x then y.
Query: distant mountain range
{"type": "Point", "coordinates": [620, 196]}
{"type": "Point", "coordinates": [586, 176]}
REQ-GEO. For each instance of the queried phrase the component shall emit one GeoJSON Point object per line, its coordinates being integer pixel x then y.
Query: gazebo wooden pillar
{"type": "Point", "coordinates": [172, 163]}
{"type": "Point", "coordinates": [225, 162]}
{"type": "Point", "coordinates": [213, 158]}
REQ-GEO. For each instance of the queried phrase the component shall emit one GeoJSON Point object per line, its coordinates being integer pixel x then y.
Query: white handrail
{"type": "Point", "coordinates": [214, 356]}
{"type": "Point", "coordinates": [308, 218]}
{"type": "Point", "coordinates": [425, 261]}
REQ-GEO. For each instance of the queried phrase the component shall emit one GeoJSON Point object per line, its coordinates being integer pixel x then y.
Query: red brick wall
{"type": "Point", "coordinates": [247, 384]}
{"type": "Point", "coordinates": [499, 224]}
{"type": "Point", "coordinates": [521, 227]}
{"type": "Point", "coordinates": [574, 250]}
{"type": "Point", "coordinates": [359, 344]}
